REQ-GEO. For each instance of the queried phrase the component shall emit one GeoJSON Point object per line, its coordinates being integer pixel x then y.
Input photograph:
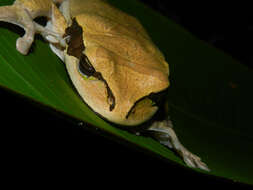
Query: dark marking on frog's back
{"type": "Point", "coordinates": [76, 48]}
{"type": "Point", "coordinates": [75, 43]}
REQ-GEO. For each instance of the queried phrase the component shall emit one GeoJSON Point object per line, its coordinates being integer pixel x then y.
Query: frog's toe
{"type": "Point", "coordinates": [194, 161]}
{"type": "Point", "coordinates": [23, 44]}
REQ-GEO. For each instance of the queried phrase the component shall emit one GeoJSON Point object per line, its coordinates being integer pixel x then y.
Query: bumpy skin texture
{"type": "Point", "coordinates": [120, 49]}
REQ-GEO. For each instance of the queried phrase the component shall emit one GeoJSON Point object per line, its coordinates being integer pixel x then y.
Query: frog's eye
{"type": "Point", "coordinates": [85, 68]}
{"type": "Point", "coordinates": [88, 72]}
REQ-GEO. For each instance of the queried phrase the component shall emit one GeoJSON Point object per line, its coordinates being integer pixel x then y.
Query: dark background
{"type": "Point", "coordinates": [39, 145]}
{"type": "Point", "coordinates": [227, 26]}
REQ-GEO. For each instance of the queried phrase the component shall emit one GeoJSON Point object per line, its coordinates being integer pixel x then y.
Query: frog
{"type": "Point", "coordinates": [110, 58]}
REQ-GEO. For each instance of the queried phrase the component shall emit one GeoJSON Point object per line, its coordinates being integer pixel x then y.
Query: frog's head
{"type": "Point", "coordinates": [117, 76]}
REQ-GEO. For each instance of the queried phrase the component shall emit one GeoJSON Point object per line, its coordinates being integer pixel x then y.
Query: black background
{"type": "Point", "coordinates": [227, 26]}
{"type": "Point", "coordinates": [40, 146]}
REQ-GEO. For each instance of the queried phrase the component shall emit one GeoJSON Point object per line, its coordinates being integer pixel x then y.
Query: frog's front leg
{"type": "Point", "coordinates": [22, 13]}
{"type": "Point", "coordinates": [166, 135]}
{"type": "Point", "coordinates": [19, 16]}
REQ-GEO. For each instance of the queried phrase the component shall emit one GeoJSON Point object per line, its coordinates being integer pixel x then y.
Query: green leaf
{"type": "Point", "coordinates": [210, 96]}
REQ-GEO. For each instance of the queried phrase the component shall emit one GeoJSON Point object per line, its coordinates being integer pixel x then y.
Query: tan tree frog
{"type": "Point", "coordinates": [109, 56]}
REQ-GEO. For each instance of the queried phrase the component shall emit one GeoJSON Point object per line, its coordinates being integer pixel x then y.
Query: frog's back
{"type": "Point", "coordinates": [103, 9]}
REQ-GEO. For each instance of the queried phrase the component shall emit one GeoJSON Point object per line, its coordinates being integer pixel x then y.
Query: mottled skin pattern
{"type": "Point", "coordinates": [122, 65]}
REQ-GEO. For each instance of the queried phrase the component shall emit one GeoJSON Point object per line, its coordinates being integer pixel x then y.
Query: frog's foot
{"type": "Point", "coordinates": [17, 14]}
{"type": "Point", "coordinates": [167, 136]}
